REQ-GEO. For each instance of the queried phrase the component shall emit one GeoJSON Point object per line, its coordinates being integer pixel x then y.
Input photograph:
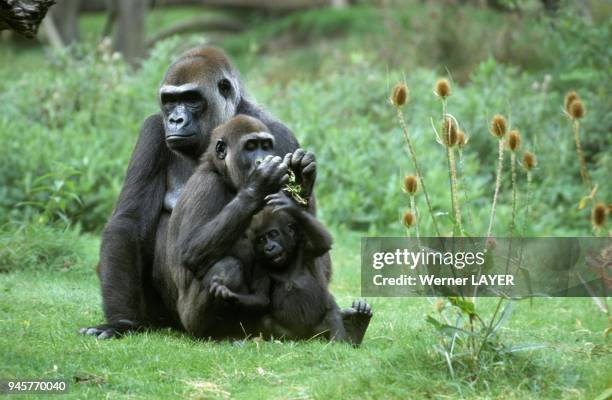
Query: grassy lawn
{"type": "Point", "coordinates": [41, 311]}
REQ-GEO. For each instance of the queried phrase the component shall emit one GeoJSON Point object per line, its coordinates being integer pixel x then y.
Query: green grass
{"type": "Point", "coordinates": [41, 311]}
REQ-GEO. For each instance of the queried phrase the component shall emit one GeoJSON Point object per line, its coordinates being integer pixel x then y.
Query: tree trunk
{"type": "Point", "coordinates": [66, 17]}
{"type": "Point", "coordinates": [129, 38]}
{"type": "Point", "coordinates": [338, 3]}
{"type": "Point", "coordinates": [23, 16]}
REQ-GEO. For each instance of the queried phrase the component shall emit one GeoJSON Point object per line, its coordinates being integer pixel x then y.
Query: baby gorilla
{"type": "Point", "coordinates": [287, 240]}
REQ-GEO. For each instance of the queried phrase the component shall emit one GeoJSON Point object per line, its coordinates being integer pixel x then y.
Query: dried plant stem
{"type": "Point", "coordinates": [489, 328]}
{"type": "Point", "coordinates": [452, 170]}
{"type": "Point", "coordinates": [528, 199]}
{"type": "Point", "coordinates": [584, 174]}
{"type": "Point", "coordinates": [500, 164]}
{"type": "Point", "coordinates": [460, 171]}
{"type": "Point", "coordinates": [416, 217]}
{"type": "Point", "coordinates": [514, 191]}
{"type": "Point", "coordinates": [400, 116]}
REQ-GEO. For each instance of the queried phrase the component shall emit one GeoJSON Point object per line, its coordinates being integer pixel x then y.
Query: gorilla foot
{"type": "Point", "coordinates": [356, 320]}
{"type": "Point", "coordinates": [107, 331]}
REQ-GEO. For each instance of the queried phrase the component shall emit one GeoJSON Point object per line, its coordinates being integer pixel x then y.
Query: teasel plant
{"type": "Point", "coordinates": [529, 163]}
{"type": "Point", "coordinates": [575, 110]}
{"type": "Point", "coordinates": [514, 142]}
{"type": "Point", "coordinates": [449, 139]}
{"type": "Point", "coordinates": [399, 97]}
{"type": "Point", "coordinates": [599, 215]}
{"type": "Point", "coordinates": [469, 338]}
{"type": "Point", "coordinates": [498, 130]}
{"type": "Point", "coordinates": [410, 187]}
{"type": "Point", "coordinates": [408, 220]}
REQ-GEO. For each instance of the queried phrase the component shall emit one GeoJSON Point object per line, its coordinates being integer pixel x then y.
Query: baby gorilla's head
{"type": "Point", "coordinates": [274, 237]}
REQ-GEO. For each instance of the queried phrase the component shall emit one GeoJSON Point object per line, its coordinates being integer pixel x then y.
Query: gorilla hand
{"type": "Point", "coordinates": [281, 202]}
{"type": "Point", "coordinates": [268, 177]}
{"type": "Point", "coordinates": [303, 165]}
{"type": "Point", "coordinates": [221, 292]}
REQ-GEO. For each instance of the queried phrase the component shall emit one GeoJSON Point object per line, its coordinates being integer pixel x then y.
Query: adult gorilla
{"type": "Point", "coordinates": [199, 92]}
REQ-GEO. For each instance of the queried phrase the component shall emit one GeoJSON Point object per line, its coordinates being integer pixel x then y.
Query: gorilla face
{"type": "Point", "coordinates": [275, 238]}
{"type": "Point", "coordinates": [244, 155]}
{"type": "Point", "coordinates": [200, 92]}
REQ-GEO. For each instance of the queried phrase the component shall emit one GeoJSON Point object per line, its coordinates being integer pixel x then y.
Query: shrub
{"type": "Point", "coordinates": [35, 246]}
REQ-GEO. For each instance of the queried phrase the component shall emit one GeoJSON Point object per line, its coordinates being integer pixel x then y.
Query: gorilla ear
{"type": "Point", "coordinates": [225, 87]}
{"type": "Point", "coordinates": [221, 149]}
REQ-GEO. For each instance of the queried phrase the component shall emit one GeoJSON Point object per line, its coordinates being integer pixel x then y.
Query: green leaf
{"type": "Point", "coordinates": [445, 328]}
{"type": "Point", "coordinates": [503, 317]}
{"type": "Point", "coordinates": [466, 306]}
{"type": "Point", "coordinates": [524, 347]}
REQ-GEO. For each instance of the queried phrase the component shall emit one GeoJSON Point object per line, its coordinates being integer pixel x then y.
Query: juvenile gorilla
{"type": "Point", "coordinates": [287, 240]}
{"type": "Point", "coordinates": [236, 174]}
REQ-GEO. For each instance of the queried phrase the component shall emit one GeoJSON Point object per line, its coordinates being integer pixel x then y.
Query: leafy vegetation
{"type": "Point", "coordinates": [87, 121]}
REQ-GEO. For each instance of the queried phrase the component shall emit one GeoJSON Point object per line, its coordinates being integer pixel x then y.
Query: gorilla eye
{"type": "Point", "coordinates": [225, 87]}
{"type": "Point", "coordinates": [273, 233]}
{"type": "Point", "coordinates": [250, 145]}
{"type": "Point", "coordinates": [266, 145]}
{"type": "Point", "coordinates": [261, 239]}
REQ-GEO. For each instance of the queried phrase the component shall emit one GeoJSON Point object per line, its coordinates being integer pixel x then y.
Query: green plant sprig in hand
{"type": "Point", "coordinates": [294, 189]}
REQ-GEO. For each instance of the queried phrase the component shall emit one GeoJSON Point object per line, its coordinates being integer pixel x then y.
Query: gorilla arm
{"type": "Point", "coordinates": [123, 251]}
{"type": "Point", "coordinates": [206, 233]}
{"type": "Point", "coordinates": [258, 300]}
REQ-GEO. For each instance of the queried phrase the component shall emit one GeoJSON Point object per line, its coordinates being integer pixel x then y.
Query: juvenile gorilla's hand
{"type": "Point", "coordinates": [221, 292]}
{"type": "Point", "coordinates": [280, 201]}
{"type": "Point", "coordinates": [268, 177]}
{"type": "Point", "coordinates": [304, 166]}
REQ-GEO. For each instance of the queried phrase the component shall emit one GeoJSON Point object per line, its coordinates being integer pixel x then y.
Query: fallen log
{"type": "Point", "coordinates": [23, 16]}
{"type": "Point", "coordinates": [196, 25]}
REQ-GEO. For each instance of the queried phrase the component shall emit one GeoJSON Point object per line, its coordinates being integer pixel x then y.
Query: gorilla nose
{"type": "Point", "coordinates": [176, 122]}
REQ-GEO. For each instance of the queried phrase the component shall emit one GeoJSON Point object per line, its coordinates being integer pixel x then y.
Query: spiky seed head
{"type": "Point", "coordinates": [449, 131]}
{"type": "Point", "coordinates": [408, 219]}
{"type": "Point", "coordinates": [461, 140]}
{"type": "Point", "coordinates": [399, 95]}
{"type": "Point", "coordinates": [529, 160]}
{"type": "Point", "coordinates": [498, 126]}
{"type": "Point", "coordinates": [443, 88]}
{"type": "Point", "coordinates": [514, 140]}
{"type": "Point", "coordinates": [410, 184]}
{"type": "Point", "coordinates": [569, 99]}
{"type": "Point", "coordinates": [576, 109]}
{"type": "Point", "coordinates": [599, 214]}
